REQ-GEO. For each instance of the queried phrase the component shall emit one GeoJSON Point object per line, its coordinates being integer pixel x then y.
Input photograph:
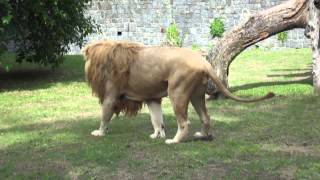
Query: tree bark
{"type": "Point", "coordinates": [286, 16]}
{"type": "Point", "coordinates": [314, 31]}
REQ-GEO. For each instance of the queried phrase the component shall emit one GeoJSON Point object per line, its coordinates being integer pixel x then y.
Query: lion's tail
{"type": "Point", "coordinates": [227, 93]}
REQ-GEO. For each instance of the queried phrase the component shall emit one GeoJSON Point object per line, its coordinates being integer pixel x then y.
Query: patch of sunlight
{"type": "Point", "coordinates": [225, 119]}
{"type": "Point", "coordinates": [311, 171]}
{"type": "Point", "coordinates": [11, 138]}
{"type": "Point", "coordinates": [190, 153]}
{"type": "Point", "coordinates": [31, 95]}
{"type": "Point", "coordinates": [65, 137]}
{"type": "Point", "coordinates": [70, 84]}
{"type": "Point", "coordinates": [18, 92]}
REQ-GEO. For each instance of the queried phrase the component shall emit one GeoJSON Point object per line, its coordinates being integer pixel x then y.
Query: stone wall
{"type": "Point", "coordinates": [146, 20]}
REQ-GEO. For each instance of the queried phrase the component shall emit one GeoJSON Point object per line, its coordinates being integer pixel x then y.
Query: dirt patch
{"type": "Point", "coordinates": [126, 172]}
{"type": "Point", "coordinates": [57, 166]}
{"type": "Point", "coordinates": [90, 171]}
{"type": "Point", "coordinates": [2, 163]}
{"type": "Point", "coordinates": [293, 149]}
{"type": "Point", "coordinates": [211, 171]}
{"type": "Point", "coordinates": [288, 172]}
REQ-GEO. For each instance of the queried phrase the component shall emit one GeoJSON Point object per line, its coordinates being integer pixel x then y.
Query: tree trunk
{"type": "Point", "coordinates": [314, 28]}
{"type": "Point", "coordinates": [286, 16]}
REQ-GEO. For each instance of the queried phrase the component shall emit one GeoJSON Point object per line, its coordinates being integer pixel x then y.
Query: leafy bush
{"type": "Point", "coordinates": [173, 35]}
{"type": "Point", "coordinates": [5, 18]}
{"type": "Point", "coordinates": [42, 30]}
{"type": "Point", "coordinates": [283, 36]}
{"type": "Point", "coordinates": [195, 47]}
{"type": "Point", "coordinates": [217, 28]}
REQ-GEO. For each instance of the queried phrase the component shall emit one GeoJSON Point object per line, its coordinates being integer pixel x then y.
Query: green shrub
{"type": "Point", "coordinates": [173, 35]}
{"type": "Point", "coordinates": [42, 30]}
{"type": "Point", "coordinates": [195, 47]}
{"type": "Point", "coordinates": [283, 36]}
{"type": "Point", "coordinates": [5, 18]}
{"type": "Point", "coordinates": [217, 28]}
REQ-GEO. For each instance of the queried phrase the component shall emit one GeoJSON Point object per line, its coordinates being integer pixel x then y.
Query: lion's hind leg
{"type": "Point", "coordinates": [156, 119]}
{"type": "Point", "coordinates": [180, 102]}
{"type": "Point", "coordinates": [199, 104]}
{"type": "Point", "coordinates": [180, 89]}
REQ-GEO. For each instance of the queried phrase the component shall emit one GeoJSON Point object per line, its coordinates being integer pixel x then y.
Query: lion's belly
{"type": "Point", "coordinates": [142, 91]}
{"type": "Point", "coordinates": [147, 80]}
{"type": "Point", "coordinates": [139, 97]}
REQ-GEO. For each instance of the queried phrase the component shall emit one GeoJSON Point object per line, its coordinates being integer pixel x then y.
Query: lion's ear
{"type": "Point", "coordinates": [123, 52]}
{"type": "Point", "coordinates": [118, 56]}
{"type": "Point", "coordinates": [116, 52]}
{"type": "Point", "coordinates": [112, 53]}
{"type": "Point", "coordinates": [119, 59]}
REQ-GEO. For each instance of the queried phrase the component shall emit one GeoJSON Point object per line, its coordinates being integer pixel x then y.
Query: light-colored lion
{"type": "Point", "coordinates": [123, 75]}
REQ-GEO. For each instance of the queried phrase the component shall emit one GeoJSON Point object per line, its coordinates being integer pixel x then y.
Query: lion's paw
{"type": "Point", "coordinates": [171, 141]}
{"type": "Point", "coordinates": [158, 134]}
{"type": "Point", "coordinates": [154, 135]}
{"type": "Point", "coordinates": [162, 134]}
{"type": "Point", "coordinates": [97, 133]}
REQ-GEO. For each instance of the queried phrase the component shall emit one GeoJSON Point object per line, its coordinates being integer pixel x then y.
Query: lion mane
{"type": "Point", "coordinates": [111, 60]}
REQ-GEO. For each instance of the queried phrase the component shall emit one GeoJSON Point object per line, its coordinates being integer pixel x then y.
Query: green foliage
{"type": "Point", "coordinates": [42, 30]}
{"type": "Point", "coordinates": [217, 28]}
{"type": "Point", "coordinates": [283, 36]}
{"type": "Point", "coordinates": [195, 47]}
{"type": "Point", "coordinates": [6, 61]}
{"type": "Point", "coordinates": [173, 35]}
{"type": "Point", "coordinates": [5, 15]}
{"type": "Point", "coordinates": [5, 18]}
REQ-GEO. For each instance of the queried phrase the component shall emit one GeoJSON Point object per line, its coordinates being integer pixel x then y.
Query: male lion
{"type": "Point", "coordinates": [124, 75]}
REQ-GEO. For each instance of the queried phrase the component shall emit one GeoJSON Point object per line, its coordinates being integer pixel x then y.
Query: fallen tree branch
{"type": "Point", "coordinates": [289, 15]}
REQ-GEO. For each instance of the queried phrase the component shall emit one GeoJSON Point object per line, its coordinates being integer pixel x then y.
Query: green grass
{"type": "Point", "coordinates": [46, 118]}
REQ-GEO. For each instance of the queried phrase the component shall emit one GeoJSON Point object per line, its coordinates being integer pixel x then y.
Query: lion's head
{"type": "Point", "coordinates": [108, 60]}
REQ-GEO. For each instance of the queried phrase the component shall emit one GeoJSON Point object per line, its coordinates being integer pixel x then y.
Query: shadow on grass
{"type": "Point", "coordinates": [302, 69]}
{"type": "Point", "coordinates": [65, 148]}
{"type": "Point", "coordinates": [295, 75]}
{"type": "Point", "coordinates": [307, 81]}
{"type": "Point", "coordinates": [24, 77]}
{"type": "Point", "coordinates": [302, 78]}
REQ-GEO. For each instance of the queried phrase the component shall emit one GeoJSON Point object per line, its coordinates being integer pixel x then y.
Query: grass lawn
{"type": "Point", "coordinates": [46, 118]}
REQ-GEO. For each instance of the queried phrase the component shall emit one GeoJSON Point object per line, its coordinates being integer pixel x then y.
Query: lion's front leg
{"type": "Point", "coordinates": [156, 119]}
{"type": "Point", "coordinates": [107, 113]}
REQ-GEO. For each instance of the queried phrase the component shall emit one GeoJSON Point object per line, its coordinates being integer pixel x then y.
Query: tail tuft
{"type": "Point", "coordinates": [270, 95]}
